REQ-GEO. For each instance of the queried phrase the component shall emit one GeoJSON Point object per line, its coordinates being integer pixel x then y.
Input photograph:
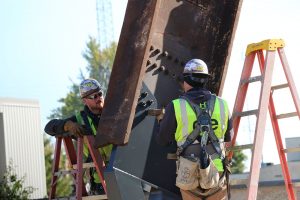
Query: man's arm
{"type": "Point", "coordinates": [167, 127]}
{"type": "Point", "coordinates": [229, 131]}
{"type": "Point", "coordinates": [56, 126]}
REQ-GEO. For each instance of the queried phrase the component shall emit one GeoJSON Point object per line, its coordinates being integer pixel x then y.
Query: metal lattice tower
{"type": "Point", "coordinates": [104, 23]}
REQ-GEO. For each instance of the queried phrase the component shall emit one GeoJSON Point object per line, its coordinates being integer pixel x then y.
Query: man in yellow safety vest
{"type": "Point", "coordinates": [199, 122]}
{"type": "Point", "coordinates": [85, 122]}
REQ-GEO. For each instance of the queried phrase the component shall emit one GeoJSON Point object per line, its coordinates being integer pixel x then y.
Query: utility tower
{"type": "Point", "coordinates": [104, 23]}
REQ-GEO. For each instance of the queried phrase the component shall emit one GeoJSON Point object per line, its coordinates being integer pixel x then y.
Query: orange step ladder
{"type": "Point", "coordinates": [266, 64]}
{"type": "Point", "coordinates": [75, 157]}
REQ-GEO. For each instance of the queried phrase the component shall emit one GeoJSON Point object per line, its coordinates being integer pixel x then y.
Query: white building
{"type": "Point", "coordinates": [21, 141]}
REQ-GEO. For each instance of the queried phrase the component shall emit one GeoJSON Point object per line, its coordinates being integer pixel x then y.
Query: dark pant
{"type": "Point", "coordinates": [97, 189]}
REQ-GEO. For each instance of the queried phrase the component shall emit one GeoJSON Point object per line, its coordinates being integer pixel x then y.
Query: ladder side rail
{"type": "Point", "coordinates": [278, 139]}
{"type": "Point", "coordinates": [290, 79]}
{"type": "Point", "coordinates": [55, 166]}
{"type": "Point", "coordinates": [79, 169]}
{"type": "Point", "coordinates": [70, 150]}
{"type": "Point", "coordinates": [281, 153]}
{"type": "Point", "coordinates": [260, 124]}
{"type": "Point", "coordinates": [97, 159]}
{"type": "Point", "coordinates": [71, 155]}
{"type": "Point", "coordinates": [241, 96]}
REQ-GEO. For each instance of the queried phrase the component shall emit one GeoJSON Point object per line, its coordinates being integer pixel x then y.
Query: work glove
{"type": "Point", "coordinates": [74, 128]}
{"type": "Point", "coordinates": [161, 115]}
{"type": "Point", "coordinates": [158, 113]}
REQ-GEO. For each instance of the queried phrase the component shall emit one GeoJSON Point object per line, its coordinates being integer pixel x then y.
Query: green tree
{"type": "Point", "coordinates": [100, 62]}
{"type": "Point", "coordinates": [12, 187]}
{"type": "Point", "coordinates": [70, 104]}
{"type": "Point", "coordinates": [238, 165]}
{"type": "Point", "coordinates": [99, 67]}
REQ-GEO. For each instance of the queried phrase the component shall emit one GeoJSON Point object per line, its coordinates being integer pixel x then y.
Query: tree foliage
{"type": "Point", "coordinates": [238, 165]}
{"type": "Point", "coordinates": [99, 62]}
{"type": "Point", "coordinates": [12, 187]}
{"type": "Point", "coordinates": [99, 67]}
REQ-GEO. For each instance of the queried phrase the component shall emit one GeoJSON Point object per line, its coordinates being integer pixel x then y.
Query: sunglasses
{"type": "Point", "coordinates": [94, 96]}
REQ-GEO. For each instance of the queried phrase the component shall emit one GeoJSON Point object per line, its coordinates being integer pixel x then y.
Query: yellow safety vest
{"type": "Point", "coordinates": [186, 117]}
{"type": "Point", "coordinates": [104, 151]}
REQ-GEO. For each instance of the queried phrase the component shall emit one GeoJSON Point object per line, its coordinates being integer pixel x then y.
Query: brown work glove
{"type": "Point", "coordinates": [161, 115]}
{"type": "Point", "coordinates": [158, 113]}
{"type": "Point", "coordinates": [74, 128]}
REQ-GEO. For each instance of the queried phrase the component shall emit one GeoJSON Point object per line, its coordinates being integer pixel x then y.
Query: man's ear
{"type": "Point", "coordinates": [186, 86]}
{"type": "Point", "coordinates": [84, 101]}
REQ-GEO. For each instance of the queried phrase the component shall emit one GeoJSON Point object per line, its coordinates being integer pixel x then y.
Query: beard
{"type": "Point", "coordinates": [97, 107]}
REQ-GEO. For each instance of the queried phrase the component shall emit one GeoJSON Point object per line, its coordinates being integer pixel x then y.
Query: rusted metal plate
{"type": "Point", "coordinates": [127, 73]}
{"type": "Point", "coordinates": [157, 38]}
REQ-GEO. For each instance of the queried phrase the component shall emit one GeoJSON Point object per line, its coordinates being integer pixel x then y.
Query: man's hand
{"type": "Point", "coordinates": [74, 128]}
{"type": "Point", "coordinates": [159, 113]}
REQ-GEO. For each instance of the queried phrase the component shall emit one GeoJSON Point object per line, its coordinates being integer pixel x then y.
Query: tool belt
{"type": "Point", "coordinates": [191, 176]}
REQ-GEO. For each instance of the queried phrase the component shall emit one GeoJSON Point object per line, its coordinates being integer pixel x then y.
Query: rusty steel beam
{"type": "Point", "coordinates": [126, 76]}
{"type": "Point", "coordinates": [157, 38]}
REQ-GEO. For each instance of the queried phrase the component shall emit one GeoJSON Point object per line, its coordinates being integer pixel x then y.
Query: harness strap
{"type": "Point", "coordinates": [227, 171]}
{"type": "Point", "coordinates": [184, 119]}
{"type": "Point", "coordinates": [83, 119]}
{"type": "Point", "coordinates": [195, 133]}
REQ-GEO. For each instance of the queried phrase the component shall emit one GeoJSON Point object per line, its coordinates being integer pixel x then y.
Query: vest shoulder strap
{"type": "Point", "coordinates": [83, 119]}
{"type": "Point", "coordinates": [79, 118]}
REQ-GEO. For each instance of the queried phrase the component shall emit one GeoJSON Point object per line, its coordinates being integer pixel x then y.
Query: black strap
{"type": "Point", "coordinates": [195, 133]}
{"type": "Point", "coordinates": [227, 171]}
{"type": "Point", "coordinates": [86, 123]}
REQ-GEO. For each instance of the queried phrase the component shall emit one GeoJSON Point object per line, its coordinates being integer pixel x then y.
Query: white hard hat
{"type": "Point", "coordinates": [88, 87]}
{"type": "Point", "coordinates": [196, 66]}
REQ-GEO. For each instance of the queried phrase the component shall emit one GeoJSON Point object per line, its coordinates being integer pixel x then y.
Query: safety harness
{"type": "Point", "coordinates": [204, 132]}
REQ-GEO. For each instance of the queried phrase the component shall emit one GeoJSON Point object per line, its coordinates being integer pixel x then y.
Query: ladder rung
{"type": "Point", "coordinates": [240, 147]}
{"type": "Point", "coordinates": [95, 197]}
{"type": "Point", "coordinates": [85, 165]}
{"type": "Point", "coordinates": [65, 198]}
{"type": "Point", "coordinates": [286, 115]}
{"type": "Point", "coordinates": [64, 172]}
{"type": "Point", "coordinates": [251, 79]}
{"type": "Point", "coordinates": [291, 150]}
{"type": "Point", "coordinates": [276, 87]}
{"type": "Point", "coordinates": [245, 113]}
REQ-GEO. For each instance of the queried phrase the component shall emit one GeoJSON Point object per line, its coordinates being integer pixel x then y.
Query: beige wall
{"type": "Point", "coordinates": [264, 193]}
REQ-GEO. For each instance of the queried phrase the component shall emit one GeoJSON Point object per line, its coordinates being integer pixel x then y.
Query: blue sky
{"type": "Point", "coordinates": [42, 43]}
{"type": "Point", "coordinates": [41, 46]}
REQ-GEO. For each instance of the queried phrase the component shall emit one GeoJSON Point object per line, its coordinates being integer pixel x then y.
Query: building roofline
{"type": "Point", "coordinates": [7, 101]}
